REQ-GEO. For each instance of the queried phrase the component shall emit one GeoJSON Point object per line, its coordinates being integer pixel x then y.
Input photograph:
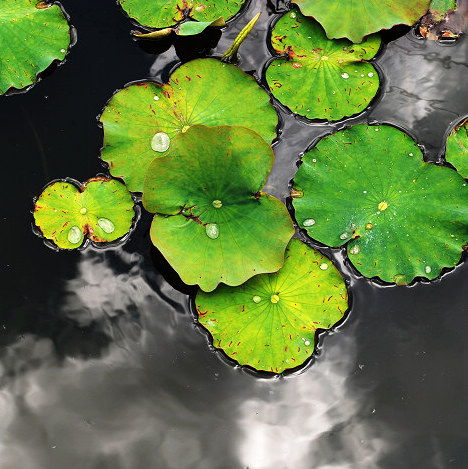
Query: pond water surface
{"type": "Point", "coordinates": [101, 364]}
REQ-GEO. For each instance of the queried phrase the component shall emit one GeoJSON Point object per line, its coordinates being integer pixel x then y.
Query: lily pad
{"type": "Point", "coordinates": [32, 35]}
{"type": "Point", "coordinates": [368, 187]}
{"type": "Point", "coordinates": [203, 91]}
{"type": "Point", "coordinates": [354, 20]}
{"type": "Point", "coordinates": [456, 152]}
{"type": "Point", "coordinates": [212, 223]}
{"type": "Point", "coordinates": [321, 78]}
{"type": "Point", "coordinates": [101, 209]}
{"type": "Point", "coordinates": [269, 322]}
{"type": "Point", "coordinates": [164, 13]}
{"type": "Point", "coordinates": [189, 28]}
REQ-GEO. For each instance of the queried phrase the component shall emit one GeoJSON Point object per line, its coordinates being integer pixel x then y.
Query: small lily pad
{"type": "Point", "coordinates": [164, 13]}
{"type": "Point", "coordinates": [321, 78]}
{"type": "Point", "coordinates": [368, 187]}
{"type": "Point", "coordinates": [203, 91]}
{"type": "Point", "coordinates": [32, 35]}
{"type": "Point", "coordinates": [269, 322]}
{"type": "Point", "coordinates": [101, 209]}
{"type": "Point", "coordinates": [212, 223]}
{"type": "Point", "coordinates": [189, 28]}
{"type": "Point", "coordinates": [354, 20]}
{"type": "Point", "coordinates": [456, 152]}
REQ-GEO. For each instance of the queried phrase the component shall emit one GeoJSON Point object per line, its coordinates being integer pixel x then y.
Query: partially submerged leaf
{"type": "Point", "coordinates": [188, 28]}
{"type": "Point", "coordinates": [101, 209]}
{"type": "Point", "coordinates": [354, 20]}
{"type": "Point", "coordinates": [212, 223]}
{"type": "Point", "coordinates": [368, 187]}
{"type": "Point", "coordinates": [456, 152]}
{"type": "Point", "coordinates": [164, 13]}
{"type": "Point", "coordinates": [203, 91]}
{"type": "Point", "coordinates": [269, 322]}
{"type": "Point", "coordinates": [32, 36]}
{"type": "Point", "coordinates": [321, 78]}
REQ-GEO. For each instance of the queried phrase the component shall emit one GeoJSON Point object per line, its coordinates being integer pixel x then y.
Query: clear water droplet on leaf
{"type": "Point", "coordinates": [160, 142]}
{"type": "Point", "coordinates": [74, 235]}
{"type": "Point", "coordinates": [106, 225]}
{"type": "Point", "coordinates": [212, 230]}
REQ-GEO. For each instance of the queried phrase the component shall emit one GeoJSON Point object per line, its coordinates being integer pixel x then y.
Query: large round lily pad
{"type": "Point", "coordinates": [321, 78]}
{"type": "Point", "coordinates": [32, 35]}
{"type": "Point", "coordinates": [141, 120]}
{"type": "Point", "coordinates": [163, 13]}
{"type": "Point", "coordinates": [212, 223]}
{"type": "Point", "coordinates": [368, 186]}
{"type": "Point", "coordinates": [101, 209]}
{"type": "Point", "coordinates": [456, 151]}
{"type": "Point", "coordinates": [269, 322]}
{"type": "Point", "coordinates": [356, 19]}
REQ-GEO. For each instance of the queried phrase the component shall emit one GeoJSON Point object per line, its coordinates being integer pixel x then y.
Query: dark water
{"type": "Point", "coordinates": [101, 364]}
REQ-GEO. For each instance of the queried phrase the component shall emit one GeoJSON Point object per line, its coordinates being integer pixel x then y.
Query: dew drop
{"type": "Point", "coordinates": [345, 75]}
{"type": "Point", "coordinates": [377, 129]}
{"type": "Point", "coordinates": [314, 161]}
{"type": "Point", "coordinates": [362, 75]}
{"type": "Point", "coordinates": [106, 225]}
{"type": "Point", "coordinates": [324, 266]}
{"type": "Point", "coordinates": [428, 269]}
{"type": "Point", "coordinates": [156, 98]}
{"type": "Point", "coordinates": [160, 142]}
{"type": "Point", "coordinates": [410, 154]}
{"type": "Point", "coordinates": [212, 230]}
{"type": "Point", "coordinates": [344, 235]}
{"type": "Point", "coordinates": [370, 74]}
{"type": "Point", "coordinates": [355, 249]}
{"type": "Point", "coordinates": [256, 299]}
{"type": "Point", "coordinates": [307, 342]}
{"type": "Point", "coordinates": [274, 299]}
{"type": "Point", "coordinates": [83, 211]}
{"type": "Point", "coordinates": [308, 222]}
{"type": "Point", "coordinates": [217, 203]}
{"type": "Point", "coordinates": [74, 235]}
{"type": "Point", "coordinates": [63, 51]}
{"type": "Point", "coordinates": [292, 15]}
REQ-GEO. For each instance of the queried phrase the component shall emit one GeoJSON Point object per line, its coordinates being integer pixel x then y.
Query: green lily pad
{"type": "Point", "coordinates": [212, 223]}
{"type": "Point", "coordinates": [456, 152]}
{"type": "Point", "coordinates": [321, 78]}
{"type": "Point", "coordinates": [32, 35]}
{"type": "Point", "coordinates": [368, 186]}
{"type": "Point", "coordinates": [189, 28]}
{"type": "Point", "coordinates": [269, 322]}
{"type": "Point", "coordinates": [101, 209]}
{"type": "Point", "coordinates": [354, 20]}
{"type": "Point", "coordinates": [164, 13]}
{"type": "Point", "coordinates": [141, 120]}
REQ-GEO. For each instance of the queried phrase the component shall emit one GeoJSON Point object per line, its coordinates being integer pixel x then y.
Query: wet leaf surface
{"type": "Point", "coordinates": [321, 78]}
{"type": "Point", "coordinates": [32, 35]}
{"type": "Point", "coordinates": [368, 186]}
{"type": "Point", "coordinates": [456, 152]}
{"type": "Point", "coordinates": [102, 211]}
{"type": "Point", "coordinates": [212, 223]}
{"type": "Point", "coordinates": [269, 322]}
{"type": "Point", "coordinates": [354, 20]}
{"type": "Point", "coordinates": [203, 91]}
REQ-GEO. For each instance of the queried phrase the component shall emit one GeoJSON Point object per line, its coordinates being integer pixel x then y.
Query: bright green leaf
{"type": "Point", "coordinates": [204, 91]}
{"type": "Point", "coordinates": [356, 19]}
{"type": "Point", "coordinates": [269, 322]}
{"type": "Point", "coordinates": [32, 36]}
{"type": "Point", "coordinates": [163, 13]}
{"type": "Point", "coordinates": [188, 28]}
{"type": "Point", "coordinates": [456, 152]}
{"type": "Point", "coordinates": [102, 210]}
{"type": "Point", "coordinates": [369, 187]}
{"type": "Point", "coordinates": [212, 223]}
{"type": "Point", "coordinates": [321, 78]}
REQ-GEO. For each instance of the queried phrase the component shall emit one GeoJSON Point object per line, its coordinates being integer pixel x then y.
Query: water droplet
{"type": "Point", "coordinates": [106, 225]}
{"type": "Point", "coordinates": [274, 299]}
{"type": "Point", "coordinates": [362, 75]}
{"type": "Point", "coordinates": [256, 299]}
{"type": "Point", "coordinates": [217, 203]}
{"type": "Point", "coordinates": [324, 266]}
{"type": "Point", "coordinates": [364, 192]}
{"type": "Point", "coordinates": [377, 129]}
{"type": "Point", "coordinates": [383, 206]}
{"type": "Point", "coordinates": [345, 75]}
{"type": "Point", "coordinates": [212, 230]}
{"type": "Point", "coordinates": [63, 51]}
{"type": "Point", "coordinates": [307, 342]}
{"type": "Point", "coordinates": [314, 161]}
{"type": "Point", "coordinates": [308, 222]}
{"type": "Point", "coordinates": [428, 269]}
{"type": "Point", "coordinates": [355, 249]}
{"type": "Point", "coordinates": [83, 211]}
{"type": "Point", "coordinates": [74, 235]}
{"type": "Point", "coordinates": [156, 98]}
{"type": "Point", "coordinates": [410, 154]}
{"type": "Point", "coordinates": [333, 92]}
{"type": "Point", "coordinates": [344, 235]}
{"type": "Point", "coordinates": [160, 142]}
{"type": "Point", "coordinates": [369, 226]}
{"type": "Point", "coordinates": [370, 74]}
{"type": "Point", "coordinates": [292, 15]}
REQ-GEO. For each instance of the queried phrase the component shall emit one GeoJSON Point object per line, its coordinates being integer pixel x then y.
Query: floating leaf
{"type": "Point", "coordinates": [354, 20]}
{"type": "Point", "coordinates": [321, 78]}
{"type": "Point", "coordinates": [367, 186]}
{"type": "Point", "coordinates": [163, 13]}
{"type": "Point", "coordinates": [269, 322]}
{"type": "Point", "coordinates": [32, 36]}
{"type": "Point", "coordinates": [101, 209]}
{"type": "Point", "coordinates": [212, 223]}
{"type": "Point", "coordinates": [204, 91]}
{"type": "Point", "coordinates": [456, 151]}
{"type": "Point", "coordinates": [189, 28]}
